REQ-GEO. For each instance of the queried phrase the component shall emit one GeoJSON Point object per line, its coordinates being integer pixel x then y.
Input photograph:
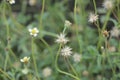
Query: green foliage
{"type": "Point", "coordinates": [99, 54]}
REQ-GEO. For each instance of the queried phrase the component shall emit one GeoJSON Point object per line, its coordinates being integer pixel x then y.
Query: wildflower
{"type": "Point", "coordinates": [93, 17]}
{"type": "Point", "coordinates": [108, 4]}
{"type": "Point", "coordinates": [112, 48]}
{"type": "Point", "coordinates": [115, 32]}
{"type": "Point", "coordinates": [61, 39]}
{"type": "Point", "coordinates": [66, 51]}
{"type": "Point", "coordinates": [25, 71]}
{"type": "Point", "coordinates": [32, 2]}
{"type": "Point", "coordinates": [85, 73]}
{"type": "Point", "coordinates": [105, 33]}
{"type": "Point", "coordinates": [11, 1]}
{"type": "Point", "coordinates": [47, 72]}
{"type": "Point", "coordinates": [16, 65]}
{"type": "Point", "coordinates": [67, 23]}
{"type": "Point", "coordinates": [25, 60]}
{"type": "Point", "coordinates": [77, 57]}
{"type": "Point", "coordinates": [99, 77]}
{"type": "Point", "coordinates": [34, 32]}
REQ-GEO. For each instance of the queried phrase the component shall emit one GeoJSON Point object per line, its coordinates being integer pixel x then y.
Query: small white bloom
{"type": "Point", "coordinates": [93, 17]}
{"type": "Point", "coordinates": [47, 72]}
{"type": "Point", "coordinates": [67, 23]}
{"type": "Point", "coordinates": [115, 32]}
{"type": "Point", "coordinates": [11, 1]}
{"type": "Point", "coordinates": [108, 4]}
{"type": "Point", "coordinates": [33, 32]}
{"type": "Point", "coordinates": [61, 39]}
{"type": "Point", "coordinates": [66, 51]}
{"type": "Point", "coordinates": [25, 71]}
{"type": "Point", "coordinates": [77, 57]}
{"type": "Point", "coordinates": [99, 77]}
{"type": "Point", "coordinates": [112, 49]}
{"type": "Point", "coordinates": [25, 59]}
{"type": "Point", "coordinates": [32, 2]}
{"type": "Point", "coordinates": [85, 73]}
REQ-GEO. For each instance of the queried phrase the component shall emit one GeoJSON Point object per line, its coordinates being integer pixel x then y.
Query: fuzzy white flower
{"type": "Point", "coordinates": [32, 2]}
{"type": "Point", "coordinates": [25, 71]}
{"type": "Point", "coordinates": [47, 72]}
{"type": "Point", "coordinates": [25, 60]}
{"type": "Point", "coordinates": [77, 57]}
{"type": "Point", "coordinates": [108, 4]}
{"type": "Point", "coordinates": [61, 39]}
{"type": "Point", "coordinates": [67, 23]}
{"type": "Point", "coordinates": [11, 1]}
{"type": "Point", "coordinates": [33, 32]}
{"type": "Point", "coordinates": [112, 48]}
{"type": "Point", "coordinates": [66, 51]}
{"type": "Point", "coordinates": [85, 73]}
{"type": "Point", "coordinates": [93, 17]}
{"type": "Point", "coordinates": [115, 32]}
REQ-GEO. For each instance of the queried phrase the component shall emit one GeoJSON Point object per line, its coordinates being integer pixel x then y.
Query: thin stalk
{"type": "Point", "coordinates": [77, 31]}
{"type": "Point", "coordinates": [95, 6]}
{"type": "Point", "coordinates": [33, 56]}
{"type": "Point", "coordinates": [63, 72]}
{"type": "Point", "coordinates": [106, 21]}
{"type": "Point", "coordinates": [6, 61]}
{"type": "Point", "coordinates": [42, 11]}
{"type": "Point", "coordinates": [5, 74]}
{"type": "Point", "coordinates": [74, 71]}
{"type": "Point", "coordinates": [107, 56]}
{"type": "Point", "coordinates": [24, 6]}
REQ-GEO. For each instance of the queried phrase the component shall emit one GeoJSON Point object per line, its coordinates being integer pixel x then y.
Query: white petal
{"type": "Point", "coordinates": [29, 30]}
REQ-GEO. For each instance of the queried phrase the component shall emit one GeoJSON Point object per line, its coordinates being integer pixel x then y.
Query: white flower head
{"type": "Point", "coordinates": [112, 48]}
{"type": "Point", "coordinates": [66, 51]}
{"type": "Point", "coordinates": [108, 4]}
{"type": "Point", "coordinates": [85, 73]}
{"type": "Point", "coordinates": [115, 32]}
{"type": "Point", "coordinates": [32, 2]}
{"type": "Point", "coordinates": [11, 1]}
{"type": "Point", "coordinates": [33, 32]}
{"type": "Point", "coordinates": [67, 23]}
{"type": "Point", "coordinates": [25, 60]}
{"type": "Point", "coordinates": [93, 17]}
{"type": "Point", "coordinates": [25, 71]}
{"type": "Point", "coordinates": [77, 57]}
{"type": "Point", "coordinates": [61, 39]}
{"type": "Point", "coordinates": [47, 71]}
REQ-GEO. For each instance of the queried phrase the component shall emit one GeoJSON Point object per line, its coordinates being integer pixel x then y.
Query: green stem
{"type": "Point", "coordinates": [24, 6]}
{"type": "Point", "coordinates": [33, 56]}
{"type": "Point", "coordinates": [106, 20]}
{"type": "Point", "coordinates": [95, 6]}
{"type": "Point", "coordinates": [7, 30]}
{"type": "Point", "coordinates": [63, 72]}
{"type": "Point", "coordinates": [48, 33]}
{"type": "Point", "coordinates": [5, 74]}
{"type": "Point", "coordinates": [77, 29]}
{"type": "Point", "coordinates": [42, 11]}
{"type": "Point", "coordinates": [6, 60]}
{"type": "Point", "coordinates": [72, 68]}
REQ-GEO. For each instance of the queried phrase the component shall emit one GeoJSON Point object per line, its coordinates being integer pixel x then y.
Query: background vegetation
{"type": "Point", "coordinates": [100, 56]}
